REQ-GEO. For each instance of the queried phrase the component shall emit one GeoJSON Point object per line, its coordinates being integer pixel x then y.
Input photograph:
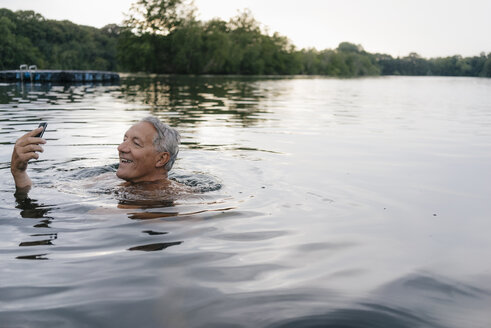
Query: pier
{"type": "Point", "coordinates": [34, 75]}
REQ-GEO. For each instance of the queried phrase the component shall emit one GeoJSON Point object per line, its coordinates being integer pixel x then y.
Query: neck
{"type": "Point", "coordinates": [157, 178]}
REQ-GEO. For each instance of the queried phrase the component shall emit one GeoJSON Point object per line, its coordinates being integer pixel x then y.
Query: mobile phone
{"type": "Point", "coordinates": [40, 134]}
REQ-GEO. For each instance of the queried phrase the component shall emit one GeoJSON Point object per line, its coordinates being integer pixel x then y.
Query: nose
{"type": "Point", "coordinates": [123, 147]}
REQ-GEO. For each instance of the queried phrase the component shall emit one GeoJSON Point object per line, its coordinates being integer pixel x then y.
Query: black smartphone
{"type": "Point", "coordinates": [40, 134]}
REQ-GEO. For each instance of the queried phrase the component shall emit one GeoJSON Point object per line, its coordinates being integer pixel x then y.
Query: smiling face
{"type": "Point", "coordinates": [138, 159]}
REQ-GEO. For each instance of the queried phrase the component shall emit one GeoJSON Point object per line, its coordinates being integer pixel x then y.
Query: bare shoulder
{"type": "Point", "coordinates": [179, 187]}
{"type": "Point", "coordinates": [101, 181]}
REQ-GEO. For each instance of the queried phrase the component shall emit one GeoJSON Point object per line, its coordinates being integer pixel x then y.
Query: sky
{"type": "Point", "coordinates": [431, 28]}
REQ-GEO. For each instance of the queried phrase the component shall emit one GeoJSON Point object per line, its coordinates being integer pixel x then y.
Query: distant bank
{"type": "Point", "coordinates": [186, 45]}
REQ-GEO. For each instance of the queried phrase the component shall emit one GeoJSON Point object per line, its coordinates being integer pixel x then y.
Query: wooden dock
{"type": "Point", "coordinates": [57, 76]}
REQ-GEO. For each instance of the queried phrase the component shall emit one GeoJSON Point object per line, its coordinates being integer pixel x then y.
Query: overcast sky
{"type": "Point", "coordinates": [429, 27]}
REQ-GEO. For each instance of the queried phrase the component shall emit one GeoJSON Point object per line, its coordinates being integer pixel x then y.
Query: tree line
{"type": "Point", "coordinates": [27, 37]}
{"type": "Point", "coordinates": [164, 36]}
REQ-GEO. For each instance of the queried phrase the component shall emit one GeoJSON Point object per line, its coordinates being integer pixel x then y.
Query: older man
{"type": "Point", "coordinates": [146, 154]}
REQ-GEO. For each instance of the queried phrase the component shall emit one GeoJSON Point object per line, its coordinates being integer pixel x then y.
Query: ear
{"type": "Point", "coordinates": [162, 159]}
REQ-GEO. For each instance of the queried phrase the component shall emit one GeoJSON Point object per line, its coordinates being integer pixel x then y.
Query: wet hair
{"type": "Point", "coordinates": [166, 140]}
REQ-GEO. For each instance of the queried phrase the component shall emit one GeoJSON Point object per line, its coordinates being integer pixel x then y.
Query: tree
{"type": "Point", "coordinates": [158, 16]}
{"type": "Point", "coordinates": [27, 37]}
{"type": "Point", "coordinates": [217, 46]}
{"type": "Point", "coordinates": [349, 47]}
{"type": "Point", "coordinates": [487, 67]}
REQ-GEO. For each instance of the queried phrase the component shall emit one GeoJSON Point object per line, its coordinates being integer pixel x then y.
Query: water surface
{"type": "Point", "coordinates": [319, 203]}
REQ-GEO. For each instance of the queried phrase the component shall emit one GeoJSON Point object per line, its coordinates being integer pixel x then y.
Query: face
{"type": "Point", "coordinates": [138, 159]}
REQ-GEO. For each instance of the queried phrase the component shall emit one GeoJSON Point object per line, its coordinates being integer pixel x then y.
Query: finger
{"type": "Point", "coordinates": [28, 156]}
{"type": "Point", "coordinates": [34, 132]}
{"type": "Point", "coordinates": [32, 148]}
{"type": "Point", "coordinates": [36, 140]}
{"type": "Point", "coordinates": [26, 140]}
{"type": "Point", "coordinates": [33, 155]}
{"type": "Point", "coordinates": [31, 134]}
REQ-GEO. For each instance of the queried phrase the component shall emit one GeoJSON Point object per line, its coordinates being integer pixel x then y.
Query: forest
{"type": "Point", "coordinates": [164, 36]}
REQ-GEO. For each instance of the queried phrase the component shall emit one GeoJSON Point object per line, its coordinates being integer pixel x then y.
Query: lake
{"type": "Point", "coordinates": [318, 203]}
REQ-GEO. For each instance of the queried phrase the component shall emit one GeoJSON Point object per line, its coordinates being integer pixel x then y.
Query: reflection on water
{"type": "Point", "coordinates": [378, 317]}
{"type": "Point", "coordinates": [308, 202]}
{"type": "Point", "coordinates": [30, 209]}
{"type": "Point", "coordinates": [154, 247]}
{"type": "Point", "coordinates": [41, 94]}
{"type": "Point", "coordinates": [231, 100]}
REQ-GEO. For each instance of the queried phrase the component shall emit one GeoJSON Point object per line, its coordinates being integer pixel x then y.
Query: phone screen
{"type": "Point", "coordinates": [44, 125]}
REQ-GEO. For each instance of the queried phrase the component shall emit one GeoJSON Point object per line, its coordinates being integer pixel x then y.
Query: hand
{"type": "Point", "coordinates": [25, 149]}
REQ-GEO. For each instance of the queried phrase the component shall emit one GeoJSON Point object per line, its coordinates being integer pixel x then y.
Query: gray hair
{"type": "Point", "coordinates": [166, 140]}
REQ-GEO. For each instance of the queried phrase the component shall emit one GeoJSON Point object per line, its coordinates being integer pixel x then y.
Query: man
{"type": "Point", "coordinates": [146, 154]}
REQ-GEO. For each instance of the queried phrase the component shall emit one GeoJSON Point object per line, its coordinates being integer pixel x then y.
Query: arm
{"type": "Point", "coordinates": [25, 149]}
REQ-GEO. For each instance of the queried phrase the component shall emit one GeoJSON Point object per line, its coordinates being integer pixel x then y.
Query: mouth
{"type": "Point", "coordinates": [125, 161]}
